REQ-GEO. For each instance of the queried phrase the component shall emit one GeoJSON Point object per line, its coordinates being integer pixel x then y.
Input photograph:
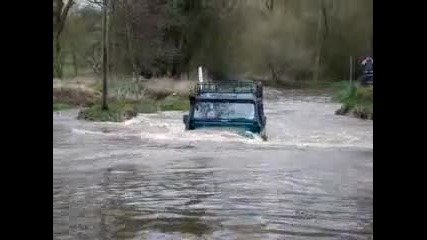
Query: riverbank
{"type": "Point", "coordinates": [357, 101]}
{"type": "Point", "coordinates": [300, 85]}
{"type": "Point", "coordinates": [126, 99]}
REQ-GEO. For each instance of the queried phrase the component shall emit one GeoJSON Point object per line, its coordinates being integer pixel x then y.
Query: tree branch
{"type": "Point", "coordinates": [269, 4]}
{"type": "Point", "coordinates": [95, 2]}
{"type": "Point", "coordinates": [63, 16]}
{"type": "Point", "coordinates": [325, 19]}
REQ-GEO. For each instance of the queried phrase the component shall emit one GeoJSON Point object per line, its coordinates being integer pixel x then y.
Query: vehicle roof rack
{"type": "Point", "coordinates": [234, 87]}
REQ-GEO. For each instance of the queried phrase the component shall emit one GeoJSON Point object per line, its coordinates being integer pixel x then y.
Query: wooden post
{"type": "Point", "coordinates": [200, 74]}
{"type": "Point", "coordinates": [201, 77]}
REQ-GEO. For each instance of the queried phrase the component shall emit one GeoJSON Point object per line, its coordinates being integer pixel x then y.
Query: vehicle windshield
{"type": "Point", "coordinates": [224, 111]}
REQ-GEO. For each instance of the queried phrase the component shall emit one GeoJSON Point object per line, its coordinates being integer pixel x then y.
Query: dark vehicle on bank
{"type": "Point", "coordinates": [367, 78]}
{"type": "Point", "coordinates": [227, 104]}
{"type": "Point", "coordinates": [367, 72]}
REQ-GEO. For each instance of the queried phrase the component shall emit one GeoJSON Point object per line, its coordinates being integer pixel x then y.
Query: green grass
{"type": "Point", "coordinates": [118, 110]}
{"type": "Point", "coordinates": [126, 99]}
{"type": "Point", "coordinates": [66, 98]}
{"type": "Point", "coordinates": [356, 100]}
{"type": "Point", "coordinates": [318, 85]}
{"type": "Point", "coordinates": [115, 113]}
{"type": "Point", "coordinates": [68, 70]}
{"type": "Point", "coordinates": [174, 103]}
{"type": "Point", "coordinates": [122, 110]}
{"type": "Point", "coordinates": [61, 106]}
{"type": "Point", "coordinates": [74, 97]}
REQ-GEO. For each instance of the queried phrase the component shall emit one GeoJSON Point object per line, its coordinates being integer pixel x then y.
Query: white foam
{"type": "Point", "coordinates": [306, 125]}
{"type": "Point", "coordinates": [84, 132]}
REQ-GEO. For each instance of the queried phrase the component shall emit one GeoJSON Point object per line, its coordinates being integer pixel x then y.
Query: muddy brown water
{"type": "Point", "coordinates": [147, 178]}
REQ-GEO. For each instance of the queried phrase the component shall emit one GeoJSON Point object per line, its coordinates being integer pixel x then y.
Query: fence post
{"type": "Point", "coordinates": [201, 77]}
{"type": "Point", "coordinates": [200, 74]}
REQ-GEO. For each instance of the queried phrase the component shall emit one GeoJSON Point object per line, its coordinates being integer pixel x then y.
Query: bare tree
{"type": "Point", "coordinates": [95, 3]}
{"type": "Point", "coordinates": [60, 13]}
{"type": "Point", "coordinates": [269, 4]}
{"type": "Point", "coordinates": [322, 32]}
{"type": "Point", "coordinates": [129, 34]}
{"type": "Point", "coordinates": [104, 54]}
{"type": "Point", "coordinates": [296, 39]}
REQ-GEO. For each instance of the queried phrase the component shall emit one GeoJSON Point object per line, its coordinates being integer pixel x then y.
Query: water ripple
{"type": "Point", "coordinates": [149, 179]}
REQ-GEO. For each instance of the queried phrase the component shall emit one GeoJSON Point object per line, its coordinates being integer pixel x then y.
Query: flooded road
{"type": "Point", "coordinates": [149, 179]}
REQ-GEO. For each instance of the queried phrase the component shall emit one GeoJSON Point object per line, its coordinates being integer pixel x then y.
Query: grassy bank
{"type": "Point", "coordinates": [123, 109]}
{"type": "Point", "coordinates": [65, 97]}
{"type": "Point", "coordinates": [126, 99]}
{"type": "Point", "coordinates": [356, 100]}
{"type": "Point", "coordinates": [302, 85]}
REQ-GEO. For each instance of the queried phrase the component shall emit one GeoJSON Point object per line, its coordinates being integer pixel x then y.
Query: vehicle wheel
{"type": "Point", "coordinates": [263, 134]}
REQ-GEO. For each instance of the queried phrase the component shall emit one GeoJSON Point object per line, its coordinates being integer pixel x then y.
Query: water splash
{"type": "Point", "coordinates": [298, 120]}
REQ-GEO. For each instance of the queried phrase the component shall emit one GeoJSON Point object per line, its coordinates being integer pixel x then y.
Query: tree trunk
{"type": "Point", "coordinates": [269, 4]}
{"type": "Point", "coordinates": [104, 56]}
{"type": "Point", "coordinates": [274, 74]}
{"type": "Point", "coordinates": [318, 48]}
{"type": "Point", "coordinates": [321, 35]}
{"type": "Point", "coordinates": [129, 35]}
{"type": "Point", "coordinates": [75, 63]}
{"type": "Point", "coordinates": [60, 13]}
{"type": "Point", "coordinates": [57, 62]}
{"type": "Point", "coordinates": [130, 49]}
